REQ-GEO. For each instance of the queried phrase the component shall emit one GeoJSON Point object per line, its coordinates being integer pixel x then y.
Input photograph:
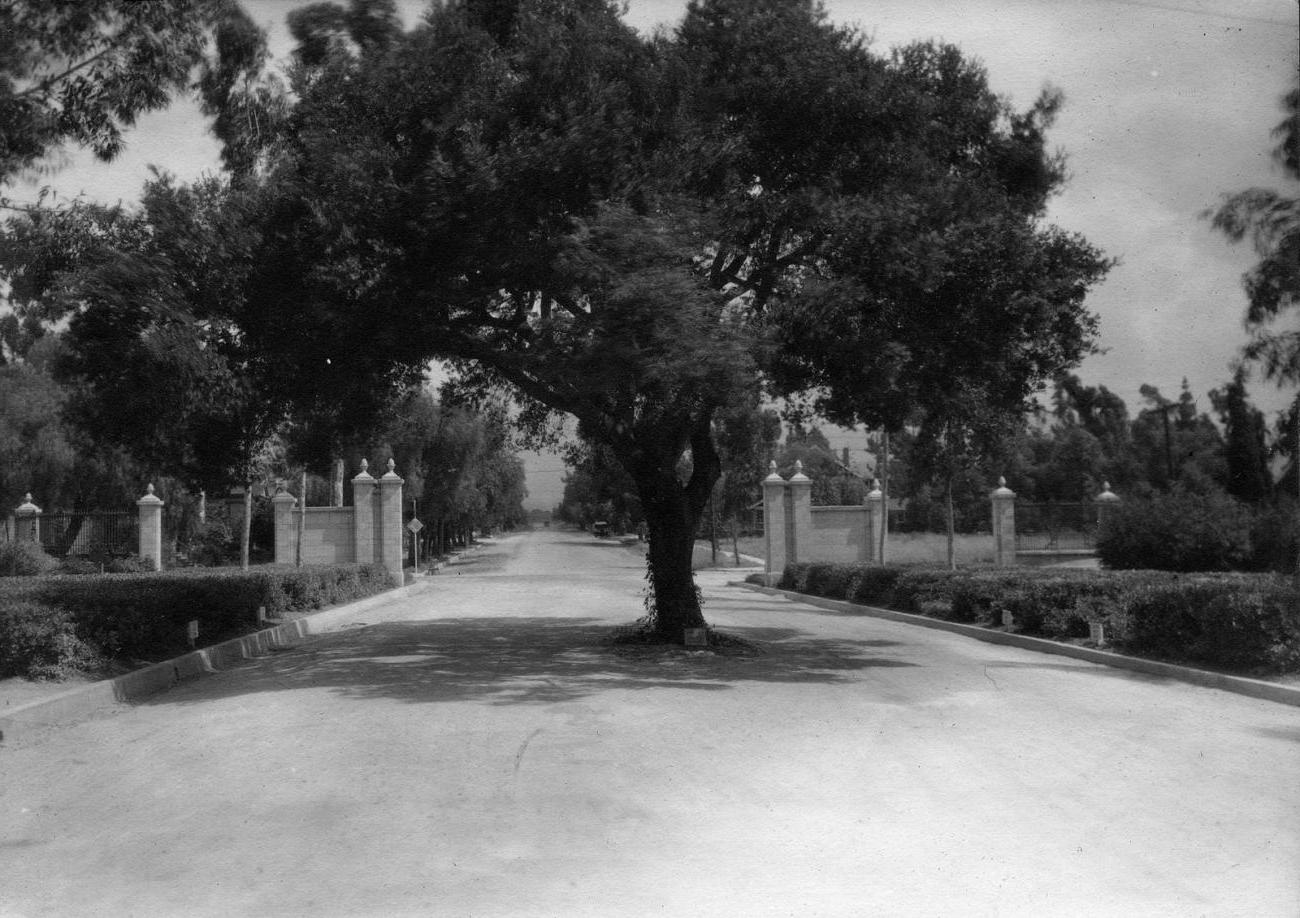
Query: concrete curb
{"type": "Point", "coordinates": [138, 685]}
{"type": "Point", "coordinates": [1241, 685]}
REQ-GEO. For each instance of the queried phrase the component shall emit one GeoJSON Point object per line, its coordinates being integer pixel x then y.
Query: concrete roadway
{"type": "Point", "coordinates": [476, 749]}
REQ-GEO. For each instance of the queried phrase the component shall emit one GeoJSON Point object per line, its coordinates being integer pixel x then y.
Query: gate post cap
{"type": "Point", "coordinates": [364, 474]}
{"type": "Point", "coordinates": [27, 507]}
{"type": "Point", "coordinates": [798, 476]}
{"type": "Point", "coordinates": [150, 498]}
{"type": "Point", "coordinates": [1106, 493]}
{"type": "Point", "coordinates": [391, 475]}
{"type": "Point", "coordinates": [1002, 491]}
{"type": "Point", "coordinates": [772, 474]}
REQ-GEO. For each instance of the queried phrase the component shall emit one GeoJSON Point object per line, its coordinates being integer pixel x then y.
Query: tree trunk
{"type": "Point", "coordinates": [713, 528]}
{"type": "Point", "coordinates": [884, 493]}
{"type": "Point", "coordinates": [952, 530]}
{"type": "Point", "coordinates": [336, 489]}
{"type": "Point", "coordinates": [672, 547]}
{"type": "Point", "coordinates": [673, 510]}
{"type": "Point", "coordinates": [246, 529]}
{"type": "Point", "coordinates": [302, 519]}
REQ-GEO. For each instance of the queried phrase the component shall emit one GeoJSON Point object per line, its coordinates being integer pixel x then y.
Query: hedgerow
{"type": "Point", "coordinates": [146, 616]}
{"type": "Point", "coordinates": [1241, 622]}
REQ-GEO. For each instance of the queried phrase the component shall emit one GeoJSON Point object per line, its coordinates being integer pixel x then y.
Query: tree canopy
{"type": "Point", "coordinates": [638, 232]}
{"type": "Point", "coordinates": [82, 71]}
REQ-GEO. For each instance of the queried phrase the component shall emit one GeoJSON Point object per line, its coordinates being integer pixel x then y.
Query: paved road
{"type": "Point", "coordinates": [477, 749]}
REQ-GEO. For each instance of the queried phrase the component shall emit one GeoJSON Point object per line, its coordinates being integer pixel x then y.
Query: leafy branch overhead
{"type": "Point", "coordinates": [640, 232]}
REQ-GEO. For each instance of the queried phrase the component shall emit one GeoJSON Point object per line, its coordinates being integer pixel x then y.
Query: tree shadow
{"type": "Point", "coordinates": [529, 660]}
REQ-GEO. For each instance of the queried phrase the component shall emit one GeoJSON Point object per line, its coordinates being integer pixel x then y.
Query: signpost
{"type": "Point", "coordinates": [414, 527]}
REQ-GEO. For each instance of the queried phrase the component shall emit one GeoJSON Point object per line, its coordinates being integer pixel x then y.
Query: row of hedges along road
{"type": "Point", "coordinates": [51, 627]}
{"type": "Point", "coordinates": [1247, 623]}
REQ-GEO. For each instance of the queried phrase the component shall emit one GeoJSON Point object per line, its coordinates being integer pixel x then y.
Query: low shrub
{"type": "Point", "coordinates": [795, 577]}
{"type": "Point", "coordinates": [873, 585]}
{"type": "Point", "coordinates": [40, 642]}
{"type": "Point", "coordinates": [1236, 625]}
{"type": "Point", "coordinates": [212, 544]}
{"type": "Point", "coordinates": [144, 616]}
{"type": "Point", "coordinates": [1235, 621]}
{"type": "Point", "coordinates": [829, 580]}
{"type": "Point", "coordinates": [1179, 531]}
{"type": "Point", "coordinates": [24, 559]}
{"type": "Point", "coordinates": [1275, 537]}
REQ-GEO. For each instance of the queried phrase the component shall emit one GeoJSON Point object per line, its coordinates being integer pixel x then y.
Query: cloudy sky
{"type": "Point", "coordinates": [1169, 104]}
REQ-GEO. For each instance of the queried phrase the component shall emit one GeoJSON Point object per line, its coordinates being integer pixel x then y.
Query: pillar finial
{"type": "Point", "coordinates": [365, 465]}
{"type": "Point", "coordinates": [392, 464]}
{"type": "Point", "coordinates": [149, 490]}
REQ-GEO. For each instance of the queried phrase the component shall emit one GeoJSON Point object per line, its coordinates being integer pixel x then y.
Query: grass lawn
{"type": "Point", "coordinates": [901, 548]}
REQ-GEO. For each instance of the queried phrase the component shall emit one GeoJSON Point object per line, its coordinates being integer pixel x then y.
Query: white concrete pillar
{"type": "Point", "coordinates": [1106, 501]}
{"type": "Point", "coordinates": [389, 523]}
{"type": "Point", "coordinates": [27, 521]}
{"type": "Point", "coordinates": [1003, 501]}
{"type": "Point", "coordinates": [285, 536]}
{"type": "Point", "coordinates": [150, 509]}
{"type": "Point", "coordinates": [875, 501]}
{"type": "Point", "coordinates": [774, 524]}
{"type": "Point", "coordinates": [363, 514]}
{"type": "Point", "coordinates": [800, 486]}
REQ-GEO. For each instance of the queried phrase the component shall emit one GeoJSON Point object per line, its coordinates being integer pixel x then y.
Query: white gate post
{"type": "Point", "coordinates": [389, 523]}
{"type": "Point", "coordinates": [1003, 500]}
{"type": "Point", "coordinates": [774, 524]}
{"type": "Point", "coordinates": [282, 505]}
{"type": "Point", "coordinates": [875, 501]}
{"type": "Point", "coordinates": [363, 515]}
{"type": "Point", "coordinates": [27, 521]}
{"type": "Point", "coordinates": [150, 510]}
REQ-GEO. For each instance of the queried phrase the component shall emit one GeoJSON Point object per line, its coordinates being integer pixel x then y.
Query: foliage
{"type": "Point", "coordinates": [834, 483]}
{"type": "Point", "coordinates": [1246, 447]}
{"type": "Point", "coordinates": [1239, 622]}
{"type": "Point", "coordinates": [1220, 623]}
{"type": "Point", "coordinates": [149, 295]}
{"type": "Point", "coordinates": [24, 559]}
{"type": "Point", "coordinates": [40, 642]}
{"type": "Point", "coordinates": [1271, 220]}
{"type": "Point", "coordinates": [1178, 531]}
{"type": "Point", "coordinates": [144, 616]}
{"type": "Point", "coordinates": [458, 462]}
{"type": "Point", "coordinates": [82, 72]}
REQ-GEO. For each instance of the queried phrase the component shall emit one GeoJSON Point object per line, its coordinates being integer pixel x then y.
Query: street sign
{"type": "Point", "coordinates": [414, 525]}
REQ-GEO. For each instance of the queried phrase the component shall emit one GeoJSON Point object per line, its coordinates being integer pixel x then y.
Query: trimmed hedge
{"type": "Point", "coordinates": [145, 616]}
{"type": "Point", "coordinates": [24, 559]}
{"type": "Point", "coordinates": [1241, 622]}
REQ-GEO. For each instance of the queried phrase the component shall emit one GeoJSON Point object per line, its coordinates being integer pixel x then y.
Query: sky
{"type": "Point", "coordinates": [1168, 105]}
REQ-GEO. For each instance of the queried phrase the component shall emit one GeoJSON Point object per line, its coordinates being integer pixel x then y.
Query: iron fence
{"type": "Point", "coordinates": [89, 534]}
{"type": "Point", "coordinates": [1056, 526]}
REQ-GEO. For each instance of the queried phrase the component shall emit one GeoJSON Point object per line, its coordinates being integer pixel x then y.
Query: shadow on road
{"type": "Point", "coordinates": [502, 660]}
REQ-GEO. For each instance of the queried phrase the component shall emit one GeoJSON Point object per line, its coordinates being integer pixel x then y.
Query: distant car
{"type": "Point", "coordinates": [600, 528]}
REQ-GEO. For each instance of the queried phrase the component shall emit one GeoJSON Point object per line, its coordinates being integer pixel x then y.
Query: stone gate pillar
{"type": "Point", "coordinates": [27, 521]}
{"type": "Point", "coordinates": [774, 524]}
{"type": "Point", "coordinates": [1003, 501]}
{"type": "Point", "coordinates": [282, 505]}
{"type": "Point", "coordinates": [150, 509]}
{"type": "Point", "coordinates": [1106, 502]}
{"type": "Point", "coordinates": [389, 523]}
{"type": "Point", "coordinates": [363, 515]}
{"type": "Point", "coordinates": [875, 501]}
{"type": "Point", "coordinates": [800, 490]}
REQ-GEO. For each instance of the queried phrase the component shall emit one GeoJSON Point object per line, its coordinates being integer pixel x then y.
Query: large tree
{"type": "Point", "coordinates": [618, 229]}
{"type": "Point", "coordinates": [82, 71]}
